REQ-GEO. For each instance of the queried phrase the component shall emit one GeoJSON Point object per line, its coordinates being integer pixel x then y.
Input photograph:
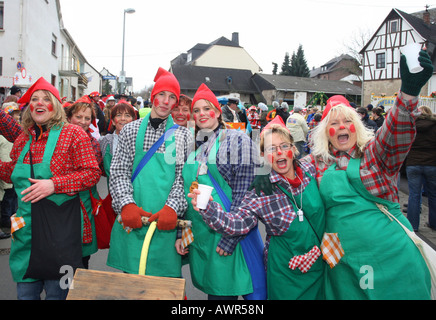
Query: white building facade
{"type": "Point", "coordinates": [34, 44]}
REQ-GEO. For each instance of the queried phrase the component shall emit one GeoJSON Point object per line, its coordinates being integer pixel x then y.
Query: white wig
{"type": "Point", "coordinates": [320, 142]}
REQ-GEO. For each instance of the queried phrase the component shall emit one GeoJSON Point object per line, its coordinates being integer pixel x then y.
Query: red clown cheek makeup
{"type": "Point", "coordinates": [332, 132]}
{"type": "Point", "coordinates": [212, 114]}
{"type": "Point", "coordinates": [50, 107]}
{"type": "Point", "coordinates": [290, 154]}
{"type": "Point", "coordinates": [270, 158]}
{"type": "Point", "coordinates": [352, 128]}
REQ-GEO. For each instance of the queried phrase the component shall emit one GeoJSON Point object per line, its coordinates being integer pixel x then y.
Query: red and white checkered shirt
{"type": "Point", "coordinates": [384, 154]}
{"type": "Point", "coordinates": [9, 128]}
{"type": "Point", "coordinates": [74, 165]}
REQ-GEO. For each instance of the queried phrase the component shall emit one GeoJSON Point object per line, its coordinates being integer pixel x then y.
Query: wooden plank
{"type": "Point", "coordinates": [102, 285]}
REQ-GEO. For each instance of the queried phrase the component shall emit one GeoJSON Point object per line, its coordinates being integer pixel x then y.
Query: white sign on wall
{"type": "Point", "coordinates": [300, 99]}
{"type": "Point", "coordinates": [23, 78]}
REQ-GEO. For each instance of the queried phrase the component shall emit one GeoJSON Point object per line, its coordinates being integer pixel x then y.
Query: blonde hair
{"type": "Point", "coordinates": [58, 118]}
{"type": "Point", "coordinates": [320, 143]}
{"type": "Point", "coordinates": [275, 128]}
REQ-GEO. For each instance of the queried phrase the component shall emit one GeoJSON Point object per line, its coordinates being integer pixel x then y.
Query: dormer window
{"type": "Point", "coordinates": [189, 58]}
{"type": "Point", "coordinates": [393, 26]}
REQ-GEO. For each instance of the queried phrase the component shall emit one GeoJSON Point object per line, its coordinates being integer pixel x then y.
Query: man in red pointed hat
{"type": "Point", "coordinates": [146, 180]}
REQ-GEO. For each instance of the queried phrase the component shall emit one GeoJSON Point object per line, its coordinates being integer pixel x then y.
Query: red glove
{"type": "Point", "coordinates": [131, 216]}
{"type": "Point", "coordinates": [166, 218]}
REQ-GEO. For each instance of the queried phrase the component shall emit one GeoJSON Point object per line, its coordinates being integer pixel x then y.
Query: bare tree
{"type": "Point", "coordinates": [356, 42]}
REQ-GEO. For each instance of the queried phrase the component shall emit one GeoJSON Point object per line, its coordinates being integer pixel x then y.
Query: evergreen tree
{"type": "Point", "coordinates": [286, 66]}
{"type": "Point", "coordinates": [292, 71]}
{"type": "Point", "coordinates": [299, 66]}
{"type": "Point", "coordinates": [275, 68]}
{"type": "Point", "coordinates": [107, 88]}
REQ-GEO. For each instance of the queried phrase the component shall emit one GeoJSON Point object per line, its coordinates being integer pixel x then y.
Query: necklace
{"type": "Point", "coordinates": [300, 212]}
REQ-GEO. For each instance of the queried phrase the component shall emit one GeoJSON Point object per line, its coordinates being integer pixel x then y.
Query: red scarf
{"type": "Point", "coordinates": [298, 178]}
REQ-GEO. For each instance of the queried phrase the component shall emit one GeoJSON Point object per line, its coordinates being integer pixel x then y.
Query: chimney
{"type": "Point", "coordinates": [426, 17]}
{"type": "Point", "coordinates": [235, 37]}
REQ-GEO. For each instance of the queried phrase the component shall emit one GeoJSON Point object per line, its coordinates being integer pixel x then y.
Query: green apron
{"type": "Point", "coordinates": [283, 282]}
{"type": "Point", "coordinates": [380, 260]}
{"type": "Point", "coordinates": [210, 272]}
{"type": "Point", "coordinates": [150, 191]}
{"type": "Point", "coordinates": [21, 245]}
{"type": "Point", "coordinates": [89, 248]}
{"type": "Point", "coordinates": [107, 160]}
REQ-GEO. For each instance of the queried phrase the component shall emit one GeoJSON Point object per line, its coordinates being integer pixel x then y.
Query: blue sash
{"type": "Point", "coordinates": [153, 150]}
{"type": "Point", "coordinates": [252, 248]}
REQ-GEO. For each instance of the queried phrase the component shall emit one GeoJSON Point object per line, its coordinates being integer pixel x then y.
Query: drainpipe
{"type": "Point", "coordinates": [20, 35]}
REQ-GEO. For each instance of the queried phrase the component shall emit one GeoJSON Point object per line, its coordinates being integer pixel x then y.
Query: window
{"type": "Point", "coordinates": [2, 10]}
{"type": "Point", "coordinates": [393, 26]}
{"type": "Point", "coordinates": [381, 60]}
{"type": "Point", "coordinates": [53, 44]}
{"type": "Point", "coordinates": [1, 66]}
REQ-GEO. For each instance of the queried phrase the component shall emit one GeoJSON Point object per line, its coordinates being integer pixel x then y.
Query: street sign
{"type": "Point", "coordinates": [109, 78]}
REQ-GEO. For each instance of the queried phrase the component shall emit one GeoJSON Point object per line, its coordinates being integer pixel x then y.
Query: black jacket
{"type": "Point", "coordinates": [423, 151]}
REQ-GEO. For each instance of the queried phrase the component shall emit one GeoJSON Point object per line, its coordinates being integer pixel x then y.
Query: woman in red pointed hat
{"type": "Point", "coordinates": [82, 114]}
{"type": "Point", "coordinates": [357, 176]}
{"type": "Point", "coordinates": [226, 160]}
{"type": "Point", "coordinates": [52, 162]}
{"type": "Point", "coordinates": [288, 203]}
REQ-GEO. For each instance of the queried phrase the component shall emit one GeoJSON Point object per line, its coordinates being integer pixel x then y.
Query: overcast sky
{"type": "Point", "coordinates": [160, 30]}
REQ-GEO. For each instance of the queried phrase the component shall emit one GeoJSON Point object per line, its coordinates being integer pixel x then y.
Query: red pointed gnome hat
{"type": "Point", "coordinates": [277, 120]}
{"type": "Point", "coordinates": [334, 101]}
{"type": "Point", "coordinates": [203, 92]}
{"type": "Point", "coordinates": [40, 84]}
{"type": "Point", "coordinates": [165, 81]}
{"type": "Point", "coordinates": [85, 99]}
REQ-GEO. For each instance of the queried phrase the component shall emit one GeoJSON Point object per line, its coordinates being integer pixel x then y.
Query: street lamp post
{"type": "Point", "coordinates": [123, 73]}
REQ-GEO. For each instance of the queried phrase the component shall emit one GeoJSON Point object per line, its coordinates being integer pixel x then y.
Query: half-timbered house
{"type": "Point", "coordinates": [381, 55]}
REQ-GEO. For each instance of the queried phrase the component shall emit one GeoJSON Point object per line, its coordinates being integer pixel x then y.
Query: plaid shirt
{"type": "Point", "coordinates": [120, 184]}
{"type": "Point", "coordinates": [275, 211]}
{"type": "Point", "coordinates": [73, 164]}
{"type": "Point", "coordinates": [9, 128]}
{"type": "Point", "coordinates": [384, 154]}
{"type": "Point", "coordinates": [237, 159]}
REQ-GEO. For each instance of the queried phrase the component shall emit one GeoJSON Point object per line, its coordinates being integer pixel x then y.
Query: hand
{"type": "Point", "coordinates": [262, 183]}
{"type": "Point", "coordinates": [39, 190]}
{"type": "Point", "coordinates": [221, 252]}
{"type": "Point", "coordinates": [179, 248]}
{"type": "Point", "coordinates": [131, 216]}
{"type": "Point", "coordinates": [412, 83]}
{"type": "Point", "coordinates": [166, 218]}
{"type": "Point", "coordinates": [193, 195]}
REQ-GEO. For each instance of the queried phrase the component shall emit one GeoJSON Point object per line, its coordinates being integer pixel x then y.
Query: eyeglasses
{"type": "Point", "coordinates": [283, 147]}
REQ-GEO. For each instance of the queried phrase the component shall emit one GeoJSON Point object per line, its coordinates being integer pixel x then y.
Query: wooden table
{"type": "Point", "coordinates": [101, 285]}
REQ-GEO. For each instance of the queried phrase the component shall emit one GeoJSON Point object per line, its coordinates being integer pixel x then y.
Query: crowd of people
{"type": "Point", "coordinates": [322, 183]}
